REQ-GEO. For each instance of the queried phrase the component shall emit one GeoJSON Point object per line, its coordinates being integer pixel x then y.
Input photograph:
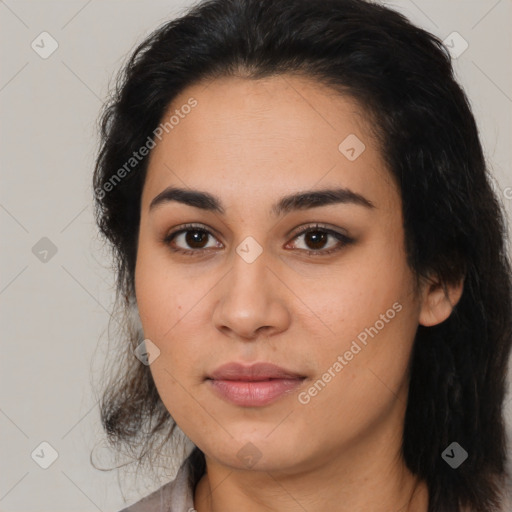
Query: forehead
{"type": "Point", "coordinates": [253, 137]}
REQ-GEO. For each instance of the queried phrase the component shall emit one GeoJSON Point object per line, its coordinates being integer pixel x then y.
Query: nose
{"type": "Point", "coordinates": [251, 302]}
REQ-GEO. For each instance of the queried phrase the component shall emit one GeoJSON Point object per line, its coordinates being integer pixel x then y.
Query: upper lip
{"type": "Point", "coordinates": [254, 372]}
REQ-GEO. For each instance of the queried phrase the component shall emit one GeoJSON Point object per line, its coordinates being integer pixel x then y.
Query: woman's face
{"type": "Point", "coordinates": [338, 320]}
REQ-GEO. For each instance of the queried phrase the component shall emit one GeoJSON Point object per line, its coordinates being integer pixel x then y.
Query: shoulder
{"type": "Point", "coordinates": [174, 496]}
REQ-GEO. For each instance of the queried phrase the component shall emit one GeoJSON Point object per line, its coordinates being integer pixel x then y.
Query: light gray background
{"type": "Point", "coordinates": [54, 314]}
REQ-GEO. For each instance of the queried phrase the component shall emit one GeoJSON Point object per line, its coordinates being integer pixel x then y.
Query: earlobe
{"type": "Point", "coordinates": [438, 301]}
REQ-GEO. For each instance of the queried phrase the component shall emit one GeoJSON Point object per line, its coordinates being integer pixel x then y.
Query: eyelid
{"type": "Point", "coordinates": [317, 225]}
{"type": "Point", "coordinates": [190, 227]}
{"type": "Point", "coordinates": [337, 233]}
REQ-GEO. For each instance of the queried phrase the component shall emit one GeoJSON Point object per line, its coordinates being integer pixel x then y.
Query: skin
{"type": "Point", "coordinates": [250, 143]}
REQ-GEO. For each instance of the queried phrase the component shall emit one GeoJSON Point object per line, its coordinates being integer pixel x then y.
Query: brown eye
{"type": "Point", "coordinates": [316, 239]}
{"type": "Point", "coordinates": [196, 238]}
{"type": "Point", "coordinates": [190, 239]}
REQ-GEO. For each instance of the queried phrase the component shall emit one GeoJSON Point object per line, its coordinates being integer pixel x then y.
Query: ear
{"type": "Point", "coordinates": [438, 300]}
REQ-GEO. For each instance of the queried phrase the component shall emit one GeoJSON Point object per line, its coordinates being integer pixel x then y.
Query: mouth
{"type": "Point", "coordinates": [253, 386]}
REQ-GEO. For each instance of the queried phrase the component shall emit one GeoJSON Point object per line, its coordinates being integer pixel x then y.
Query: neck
{"type": "Point", "coordinates": [367, 486]}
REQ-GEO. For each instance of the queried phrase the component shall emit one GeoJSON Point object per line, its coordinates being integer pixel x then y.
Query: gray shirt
{"type": "Point", "coordinates": [174, 496]}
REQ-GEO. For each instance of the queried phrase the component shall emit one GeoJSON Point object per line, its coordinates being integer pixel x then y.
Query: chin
{"type": "Point", "coordinates": [259, 454]}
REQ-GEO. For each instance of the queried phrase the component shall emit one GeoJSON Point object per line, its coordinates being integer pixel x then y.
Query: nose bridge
{"type": "Point", "coordinates": [249, 270]}
{"type": "Point", "coordinates": [249, 298]}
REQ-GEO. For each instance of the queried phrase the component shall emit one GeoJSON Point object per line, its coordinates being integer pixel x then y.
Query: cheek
{"type": "Point", "coordinates": [154, 300]}
{"type": "Point", "coordinates": [164, 296]}
{"type": "Point", "coordinates": [165, 315]}
{"type": "Point", "coordinates": [176, 391]}
{"type": "Point", "coordinates": [372, 316]}
{"type": "Point", "coordinates": [358, 383]}
{"type": "Point", "coordinates": [355, 297]}
{"type": "Point", "coordinates": [173, 311]}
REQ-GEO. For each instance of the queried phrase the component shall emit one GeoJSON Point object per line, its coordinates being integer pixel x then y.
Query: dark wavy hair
{"type": "Point", "coordinates": [402, 78]}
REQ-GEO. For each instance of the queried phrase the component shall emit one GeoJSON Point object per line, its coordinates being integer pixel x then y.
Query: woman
{"type": "Point", "coordinates": [303, 224]}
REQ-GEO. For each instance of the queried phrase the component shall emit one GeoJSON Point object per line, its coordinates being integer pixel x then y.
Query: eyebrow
{"type": "Point", "coordinates": [298, 201]}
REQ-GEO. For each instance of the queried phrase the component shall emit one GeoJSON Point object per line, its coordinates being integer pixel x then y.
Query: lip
{"type": "Point", "coordinates": [253, 372]}
{"type": "Point", "coordinates": [253, 386]}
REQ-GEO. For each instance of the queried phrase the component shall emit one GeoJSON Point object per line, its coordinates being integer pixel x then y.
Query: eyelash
{"type": "Point", "coordinates": [345, 240]}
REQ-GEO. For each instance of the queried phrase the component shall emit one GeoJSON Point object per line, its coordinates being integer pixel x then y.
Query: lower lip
{"type": "Point", "coordinates": [254, 393]}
